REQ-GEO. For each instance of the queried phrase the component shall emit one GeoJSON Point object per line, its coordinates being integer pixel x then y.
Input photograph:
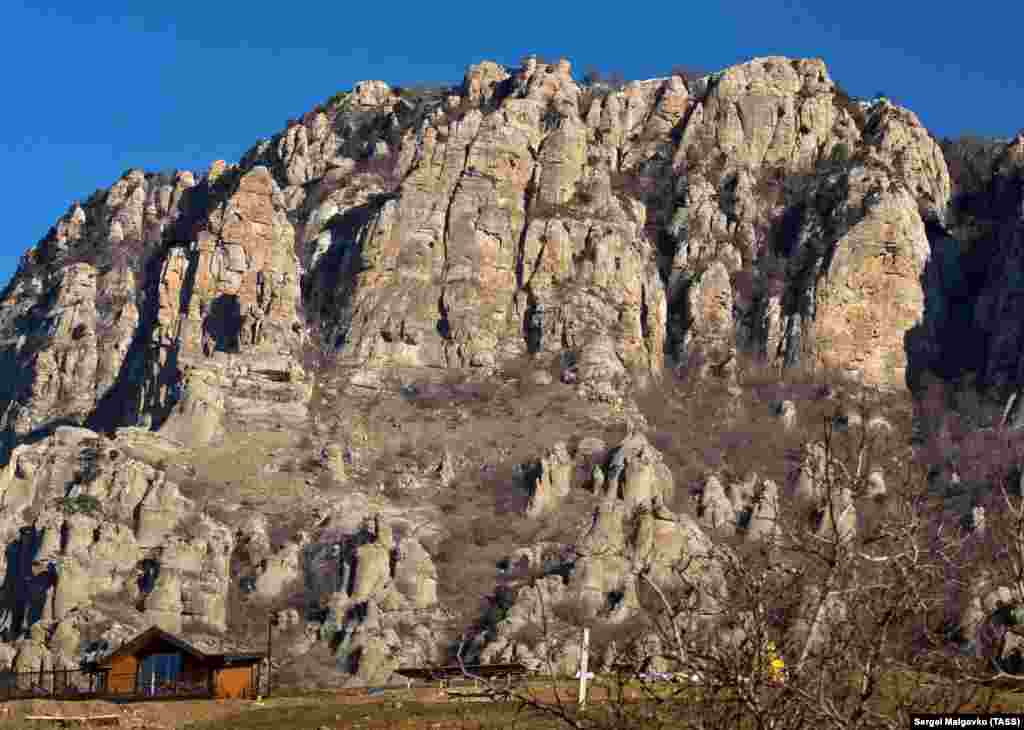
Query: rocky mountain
{"type": "Point", "coordinates": [256, 388]}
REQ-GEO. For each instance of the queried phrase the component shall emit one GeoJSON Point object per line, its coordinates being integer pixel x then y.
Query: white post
{"type": "Point", "coordinates": [584, 651]}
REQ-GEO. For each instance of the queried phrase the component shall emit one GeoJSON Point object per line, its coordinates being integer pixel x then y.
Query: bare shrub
{"type": "Point", "coordinates": [316, 669]}
{"type": "Point", "coordinates": [456, 388]}
{"type": "Point", "coordinates": [848, 668]}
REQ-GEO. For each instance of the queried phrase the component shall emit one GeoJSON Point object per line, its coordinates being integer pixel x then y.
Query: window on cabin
{"type": "Point", "coordinates": [159, 669]}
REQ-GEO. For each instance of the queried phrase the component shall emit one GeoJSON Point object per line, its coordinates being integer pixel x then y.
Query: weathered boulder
{"type": "Point", "coordinates": [552, 479]}
{"type": "Point", "coordinates": [416, 575]}
{"type": "Point", "coordinates": [838, 516]}
{"type": "Point", "coordinates": [33, 656]}
{"type": "Point", "coordinates": [876, 484]}
{"type": "Point", "coordinates": [65, 640]}
{"type": "Point", "coordinates": [811, 475]}
{"type": "Point", "coordinates": [445, 469]}
{"type": "Point", "coordinates": [279, 571]}
{"type": "Point", "coordinates": [373, 564]}
{"type": "Point", "coordinates": [638, 473]}
{"type": "Point", "coordinates": [334, 460]}
{"type": "Point", "coordinates": [717, 512]}
{"type": "Point", "coordinates": [159, 512]}
{"type": "Point", "coordinates": [73, 587]}
{"type": "Point", "coordinates": [163, 605]}
{"type": "Point", "coordinates": [786, 412]}
{"type": "Point", "coordinates": [763, 524]}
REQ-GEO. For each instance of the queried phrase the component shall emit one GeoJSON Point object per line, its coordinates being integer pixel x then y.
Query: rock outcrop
{"type": "Point", "coordinates": [601, 233]}
{"type": "Point", "coordinates": [552, 477]}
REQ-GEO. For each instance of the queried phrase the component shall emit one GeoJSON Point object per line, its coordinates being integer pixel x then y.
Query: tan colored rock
{"type": "Point", "coordinates": [898, 138]}
{"type": "Point", "coordinates": [876, 484]}
{"type": "Point", "coordinates": [371, 93]}
{"type": "Point", "coordinates": [481, 80]}
{"type": "Point", "coordinates": [373, 564]}
{"type": "Point", "coordinates": [207, 601]}
{"type": "Point", "coordinates": [638, 472]}
{"type": "Point", "coordinates": [553, 479]}
{"type": "Point", "coordinates": [334, 460]}
{"type": "Point", "coordinates": [198, 417]}
{"type": "Point", "coordinates": [839, 516]}
{"type": "Point", "coordinates": [416, 575]}
{"type": "Point", "coordinates": [717, 511]}
{"type": "Point", "coordinates": [79, 532]}
{"type": "Point", "coordinates": [158, 513]}
{"type": "Point", "coordinates": [163, 605]}
{"type": "Point", "coordinates": [871, 296]}
{"type": "Point", "coordinates": [445, 469]}
{"type": "Point", "coordinates": [603, 555]}
{"type": "Point", "coordinates": [764, 519]}
{"type": "Point", "coordinates": [757, 112]}
{"type": "Point", "coordinates": [183, 556]}
{"type": "Point", "coordinates": [216, 170]}
{"type": "Point", "coordinates": [811, 475]}
{"type": "Point", "coordinates": [65, 639]}
{"type": "Point", "coordinates": [786, 412]}
{"type": "Point", "coordinates": [280, 570]}
{"type": "Point", "coordinates": [18, 490]}
{"type": "Point", "coordinates": [244, 287]}
{"type": "Point", "coordinates": [710, 304]}
{"type": "Point", "coordinates": [73, 588]}
{"type": "Point", "coordinates": [111, 556]}
{"type": "Point", "coordinates": [33, 656]}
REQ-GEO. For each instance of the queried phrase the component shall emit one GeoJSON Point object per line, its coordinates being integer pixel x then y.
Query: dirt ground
{"type": "Point", "coordinates": [149, 715]}
{"type": "Point", "coordinates": [175, 714]}
{"type": "Point", "coordinates": [388, 707]}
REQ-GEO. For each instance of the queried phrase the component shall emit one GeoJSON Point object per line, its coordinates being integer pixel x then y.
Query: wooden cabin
{"type": "Point", "coordinates": [158, 664]}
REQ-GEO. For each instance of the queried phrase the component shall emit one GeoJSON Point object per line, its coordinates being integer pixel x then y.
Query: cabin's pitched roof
{"type": "Point", "coordinates": [155, 632]}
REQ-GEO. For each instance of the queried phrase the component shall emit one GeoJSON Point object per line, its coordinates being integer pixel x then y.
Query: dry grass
{"type": "Point", "coordinates": [690, 424]}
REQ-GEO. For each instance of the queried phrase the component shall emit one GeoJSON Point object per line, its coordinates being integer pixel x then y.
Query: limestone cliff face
{"type": "Point", "coordinates": [149, 290]}
{"type": "Point", "coordinates": [518, 213]}
{"type": "Point", "coordinates": [226, 326]}
{"type": "Point", "coordinates": [609, 232]}
{"type": "Point", "coordinates": [70, 314]}
{"type": "Point", "coordinates": [529, 215]}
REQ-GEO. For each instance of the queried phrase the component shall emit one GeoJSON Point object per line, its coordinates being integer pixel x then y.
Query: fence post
{"type": "Point", "coordinates": [584, 651]}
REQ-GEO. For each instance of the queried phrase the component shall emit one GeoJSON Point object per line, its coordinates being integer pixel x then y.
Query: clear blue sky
{"type": "Point", "coordinates": [94, 88]}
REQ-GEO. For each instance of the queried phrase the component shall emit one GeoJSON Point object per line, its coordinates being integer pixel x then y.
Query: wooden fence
{"type": "Point", "coordinates": [70, 684]}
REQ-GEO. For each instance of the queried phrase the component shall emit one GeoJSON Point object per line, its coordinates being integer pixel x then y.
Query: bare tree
{"type": "Point", "coordinates": [852, 607]}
